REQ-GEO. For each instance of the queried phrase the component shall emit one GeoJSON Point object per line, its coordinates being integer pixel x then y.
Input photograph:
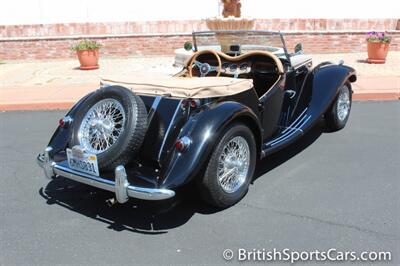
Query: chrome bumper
{"type": "Point", "coordinates": [121, 187]}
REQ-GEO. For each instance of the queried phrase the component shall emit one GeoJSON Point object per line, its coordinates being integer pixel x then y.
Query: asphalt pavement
{"type": "Point", "coordinates": [330, 190]}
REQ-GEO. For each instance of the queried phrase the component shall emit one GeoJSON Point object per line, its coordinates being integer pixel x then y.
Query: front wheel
{"type": "Point", "coordinates": [230, 168]}
{"type": "Point", "coordinates": [338, 114]}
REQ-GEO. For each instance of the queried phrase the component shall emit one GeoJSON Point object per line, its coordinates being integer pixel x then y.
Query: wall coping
{"type": "Point", "coordinates": [182, 34]}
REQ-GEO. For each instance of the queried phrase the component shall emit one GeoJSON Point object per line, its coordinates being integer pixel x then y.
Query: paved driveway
{"type": "Point", "coordinates": [331, 190]}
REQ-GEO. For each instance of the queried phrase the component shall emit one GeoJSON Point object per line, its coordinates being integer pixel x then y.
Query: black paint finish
{"type": "Point", "coordinates": [276, 119]}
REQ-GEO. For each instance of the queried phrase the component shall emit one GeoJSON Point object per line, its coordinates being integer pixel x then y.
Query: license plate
{"type": "Point", "coordinates": [83, 162]}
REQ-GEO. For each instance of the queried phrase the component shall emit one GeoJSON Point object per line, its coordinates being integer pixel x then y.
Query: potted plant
{"type": "Point", "coordinates": [378, 47]}
{"type": "Point", "coordinates": [88, 54]}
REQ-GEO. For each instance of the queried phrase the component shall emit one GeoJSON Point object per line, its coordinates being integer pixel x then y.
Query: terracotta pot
{"type": "Point", "coordinates": [89, 59]}
{"type": "Point", "coordinates": [377, 52]}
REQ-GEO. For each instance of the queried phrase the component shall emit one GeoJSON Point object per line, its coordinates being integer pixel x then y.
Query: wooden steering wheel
{"type": "Point", "coordinates": [204, 68]}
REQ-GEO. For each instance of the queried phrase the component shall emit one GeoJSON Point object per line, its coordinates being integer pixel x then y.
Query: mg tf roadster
{"type": "Point", "coordinates": [240, 97]}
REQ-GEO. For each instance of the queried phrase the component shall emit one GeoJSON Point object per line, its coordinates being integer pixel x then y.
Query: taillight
{"type": "Point", "coordinates": [61, 122]}
{"type": "Point", "coordinates": [183, 144]}
{"type": "Point", "coordinates": [65, 121]}
{"type": "Point", "coordinates": [190, 102]}
{"type": "Point", "coordinates": [194, 104]}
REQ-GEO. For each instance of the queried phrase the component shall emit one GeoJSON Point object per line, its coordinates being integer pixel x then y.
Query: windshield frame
{"type": "Point", "coordinates": [261, 32]}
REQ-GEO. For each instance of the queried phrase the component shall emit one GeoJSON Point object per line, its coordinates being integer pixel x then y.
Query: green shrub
{"type": "Point", "coordinates": [86, 45]}
{"type": "Point", "coordinates": [188, 46]}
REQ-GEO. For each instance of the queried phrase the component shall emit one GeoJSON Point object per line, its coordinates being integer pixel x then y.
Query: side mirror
{"type": "Point", "coordinates": [298, 49]}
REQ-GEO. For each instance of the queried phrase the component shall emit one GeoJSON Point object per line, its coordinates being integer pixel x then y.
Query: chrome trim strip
{"type": "Point", "coordinates": [153, 108]}
{"type": "Point", "coordinates": [290, 130]}
{"type": "Point", "coordinates": [295, 121]}
{"type": "Point", "coordinates": [169, 128]}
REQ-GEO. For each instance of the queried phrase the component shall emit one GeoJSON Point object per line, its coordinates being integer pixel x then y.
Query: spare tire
{"type": "Point", "coordinates": [112, 124]}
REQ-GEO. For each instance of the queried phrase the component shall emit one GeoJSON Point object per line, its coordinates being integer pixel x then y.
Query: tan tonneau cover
{"type": "Point", "coordinates": [182, 87]}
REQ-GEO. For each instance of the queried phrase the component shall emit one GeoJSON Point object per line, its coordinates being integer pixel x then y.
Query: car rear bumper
{"type": "Point", "coordinates": [121, 187]}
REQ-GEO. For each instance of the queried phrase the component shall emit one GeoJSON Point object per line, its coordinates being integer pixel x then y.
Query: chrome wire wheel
{"type": "Point", "coordinates": [102, 125]}
{"type": "Point", "coordinates": [343, 105]}
{"type": "Point", "coordinates": [233, 164]}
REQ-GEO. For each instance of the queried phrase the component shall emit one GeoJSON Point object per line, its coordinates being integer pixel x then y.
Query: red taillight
{"type": "Point", "coordinates": [183, 143]}
{"type": "Point", "coordinates": [65, 121]}
{"type": "Point", "coordinates": [179, 145]}
{"type": "Point", "coordinates": [61, 122]}
{"type": "Point", "coordinates": [194, 104]}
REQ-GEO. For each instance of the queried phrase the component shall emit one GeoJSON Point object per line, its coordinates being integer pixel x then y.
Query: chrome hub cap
{"type": "Point", "coordinates": [101, 126]}
{"type": "Point", "coordinates": [233, 164]}
{"type": "Point", "coordinates": [343, 106]}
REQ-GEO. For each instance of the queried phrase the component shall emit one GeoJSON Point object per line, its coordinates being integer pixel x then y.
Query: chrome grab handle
{"type": "Point", "coordinates": [291, 92]}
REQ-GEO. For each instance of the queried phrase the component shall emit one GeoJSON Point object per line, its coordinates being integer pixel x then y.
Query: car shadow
{"type": "Point", "coordinates": [276, 159]}
{"type": "Point", "coordinates": [153, 217]}
{"type": "Point", "coordinates": [137, 216]}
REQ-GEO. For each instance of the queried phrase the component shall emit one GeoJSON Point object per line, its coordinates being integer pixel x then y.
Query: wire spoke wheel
{"type": "Point", "coordinates": [102, 125]}
{"type": "Point", "coordinates": [233, 164]}
{"type": "Point", "coordinates": [343, 106]}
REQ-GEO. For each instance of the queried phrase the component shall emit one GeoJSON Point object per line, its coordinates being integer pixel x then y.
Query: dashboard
{"type": "Point", "coordinates": [244, 66]}
{"type": "Point", "coordinates": [236, 69]}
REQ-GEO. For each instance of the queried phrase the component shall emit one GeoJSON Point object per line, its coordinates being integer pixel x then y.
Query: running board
{"type": "Point", "coordinates": [288, 134]}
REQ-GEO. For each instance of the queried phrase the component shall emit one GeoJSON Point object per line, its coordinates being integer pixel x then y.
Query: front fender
{"type": "Point", "coordinates": [327, 80]}
{"type": "Point", "coordinates": [205, 129]}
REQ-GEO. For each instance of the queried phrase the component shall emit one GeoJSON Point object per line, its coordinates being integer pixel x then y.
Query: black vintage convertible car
{"type": "Point", "coordinates": [240, 97]}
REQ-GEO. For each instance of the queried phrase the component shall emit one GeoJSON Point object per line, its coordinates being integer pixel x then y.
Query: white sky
{"type": "Point", "coordinates": [66, 11]}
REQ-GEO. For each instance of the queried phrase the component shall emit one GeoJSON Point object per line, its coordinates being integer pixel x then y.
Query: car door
{"type": "Point", "coordinates": [271, 107]}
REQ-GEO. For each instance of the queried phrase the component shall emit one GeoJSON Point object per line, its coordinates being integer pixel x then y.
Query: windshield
{"type": "Point", "coordinates": [225, 41]}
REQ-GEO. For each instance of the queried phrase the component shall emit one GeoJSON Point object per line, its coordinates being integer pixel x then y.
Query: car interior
{"type": "Point", "coordinates": [262, 67]}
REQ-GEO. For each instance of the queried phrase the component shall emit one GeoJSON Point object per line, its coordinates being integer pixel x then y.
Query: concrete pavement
{"type": "Point", "coordinates": [58, 84]}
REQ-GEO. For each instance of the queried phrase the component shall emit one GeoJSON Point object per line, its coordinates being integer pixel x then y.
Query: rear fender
{"type": "Point", "coordinates": [327, 80]}
{"type": "Point", "coordinates": [61, 136]}
{"type": "Point", "coordinates": [204, 130]}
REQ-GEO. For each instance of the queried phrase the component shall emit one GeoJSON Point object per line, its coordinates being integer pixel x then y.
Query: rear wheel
{"type": "Point", "coordinates": [336, 117]}
{"type": "Point", "coordinates": [111, 124]}
{"type": "Point", "coordinates": [230, 168]}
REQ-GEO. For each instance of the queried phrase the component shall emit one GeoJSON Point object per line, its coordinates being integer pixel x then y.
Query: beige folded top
{"type": "Point", "coordinates": [182, 87]}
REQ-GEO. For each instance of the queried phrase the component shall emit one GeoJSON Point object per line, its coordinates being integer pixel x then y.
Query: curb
{"type": "Point", "coordinates": [36, 106]}
{"type": "Point", "coordinates": [357, 96]}
{"type": "Point", "coordinates": [376, 96]}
